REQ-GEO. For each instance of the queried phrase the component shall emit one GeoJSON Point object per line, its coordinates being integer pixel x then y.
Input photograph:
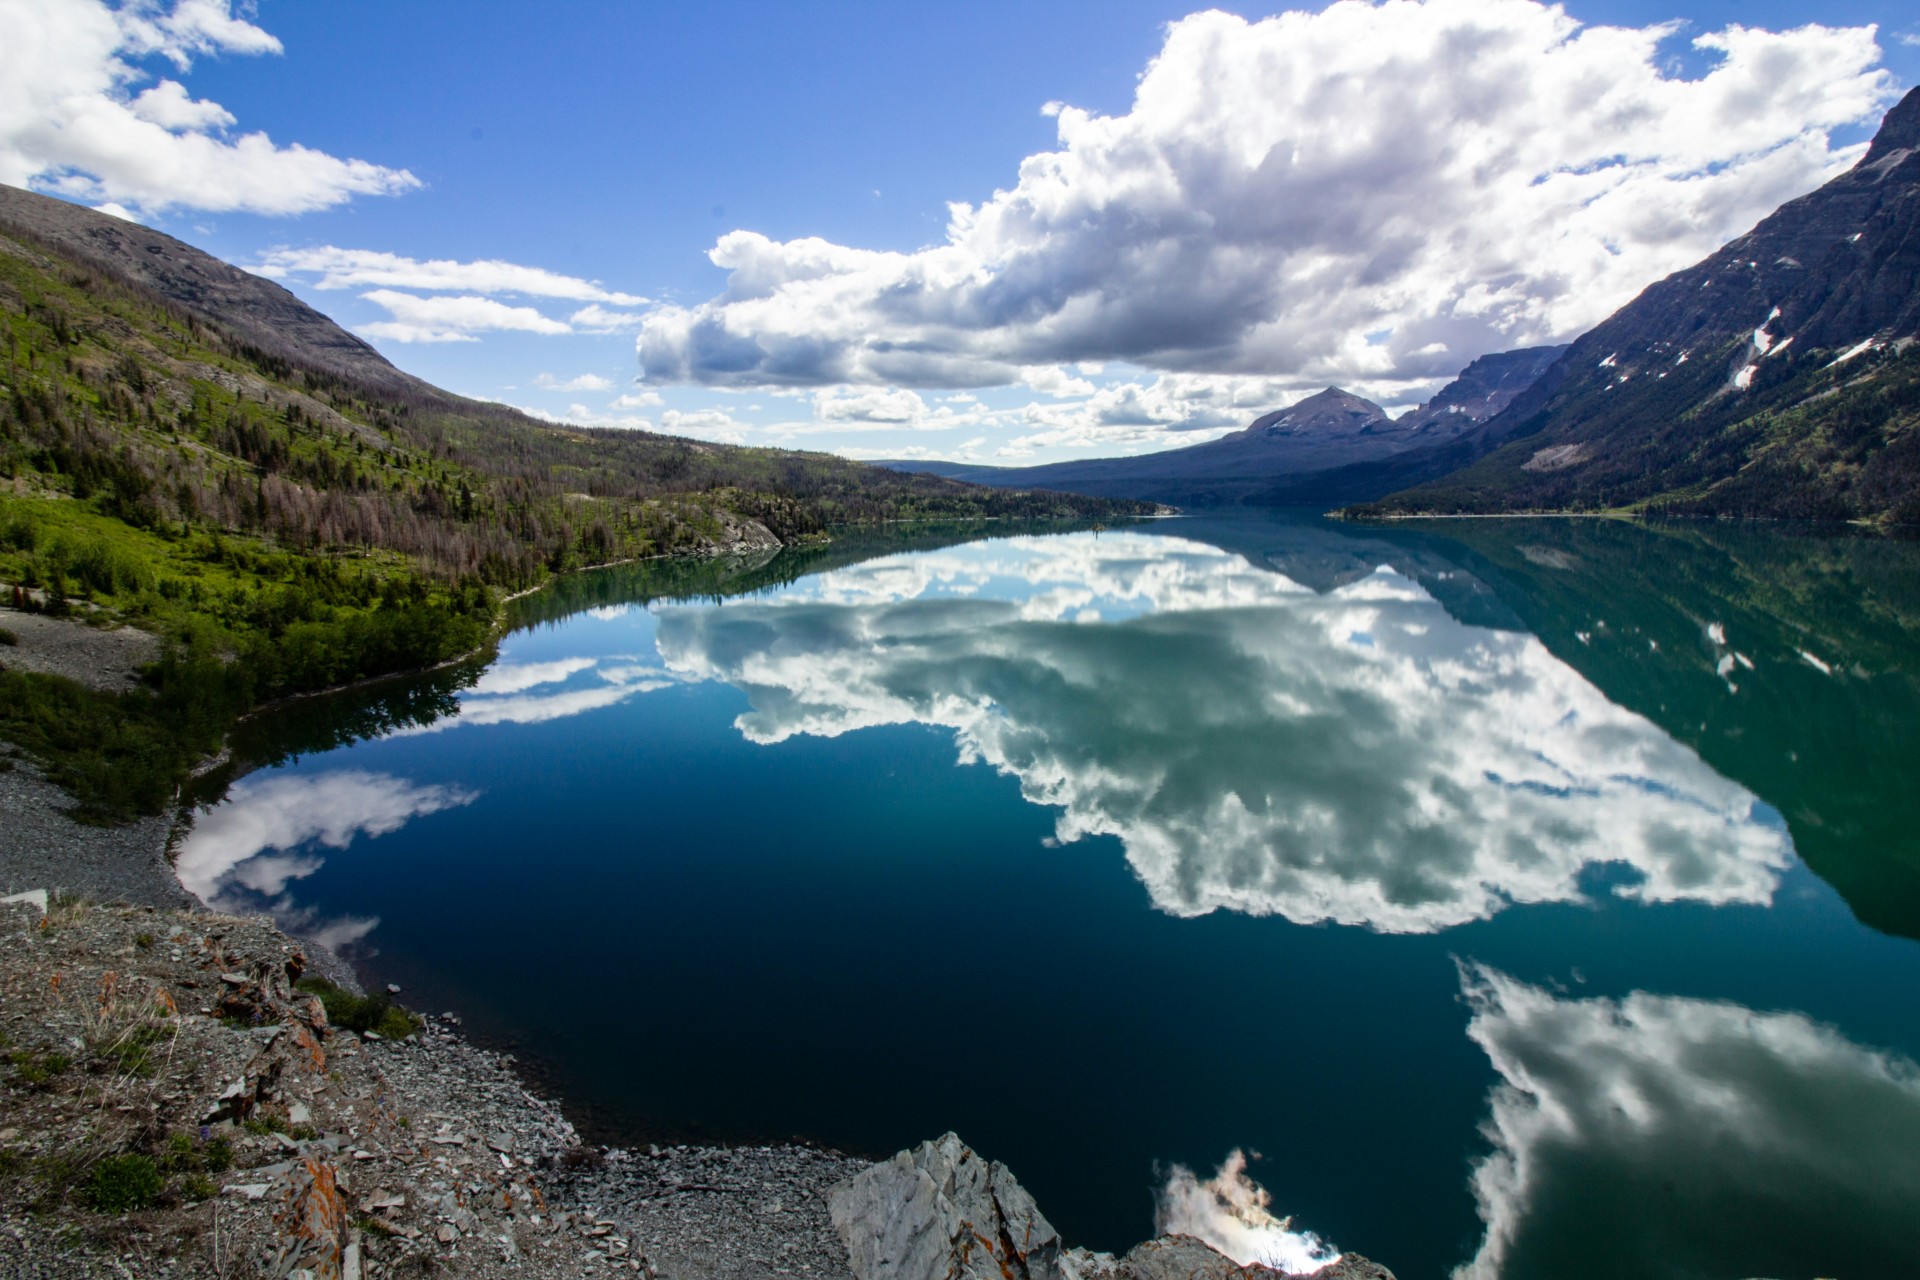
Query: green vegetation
{"type": "Point", "coordinates": [131, 1054]}
{"type": "Point", "coordinates": [36, 1068]}
{"type": "Point", "coordinates": [376, 1013]}
{"type": "Point", "coordinates": [121, 1184]}
{"type": "Point", "coordinates": [287, 528]}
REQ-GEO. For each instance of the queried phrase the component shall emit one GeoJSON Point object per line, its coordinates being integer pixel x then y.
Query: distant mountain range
{"type": "Point", "coordinates": [1779, 378]}
{"type": "Point", "coordinates": [1326, 431]}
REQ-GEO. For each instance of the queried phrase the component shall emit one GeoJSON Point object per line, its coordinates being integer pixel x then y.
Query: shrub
{"type": "Point", "coordinates": [181, 1153]}
{"type": "Point", "coordinates": [123, 1183]}
{"type": "Point", "coordinates": [20, 533]}
{"type": "Point", "coordinates": [376, 1013]}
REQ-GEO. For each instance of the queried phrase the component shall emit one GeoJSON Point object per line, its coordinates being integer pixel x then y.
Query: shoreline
{"type": "Point", "coordinates": [129, 872]}
{"type": "Point", "coordinates": [274, 1137]}
{"type": "Point", "coordinates": [362, 1155]}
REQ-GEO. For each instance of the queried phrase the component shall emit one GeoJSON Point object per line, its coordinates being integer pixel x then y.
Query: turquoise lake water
{"type": "Point", "coordinates": [1537, 898]}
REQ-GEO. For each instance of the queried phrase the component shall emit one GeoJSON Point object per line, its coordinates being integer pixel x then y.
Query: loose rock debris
{"type": "Point", "coordinates": [171, 1104]}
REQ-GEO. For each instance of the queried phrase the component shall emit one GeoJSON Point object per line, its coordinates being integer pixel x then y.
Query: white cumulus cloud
{"type": "Point", "coordinates": [882, 405]}
{"type": "Point", "coordinates": [75, 120]}
{"type": "Point", "coordinates": [1372, 191]}
{"type": "Point", "coordinates": [331, 267]}
{"type": "Point", "coordinates": [451, 318]}
{"type": "Point", "coordinates": [581, 382]}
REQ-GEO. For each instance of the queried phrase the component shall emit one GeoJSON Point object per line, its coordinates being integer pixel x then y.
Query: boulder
{"type": "Point", "coordinates": [940, 1212]}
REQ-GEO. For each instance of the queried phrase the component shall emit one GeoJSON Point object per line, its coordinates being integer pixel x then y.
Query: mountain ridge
{"type": "Point", "coordinates": [258, 309]}
{"type": "Point", "coordinates": [1776, 378]}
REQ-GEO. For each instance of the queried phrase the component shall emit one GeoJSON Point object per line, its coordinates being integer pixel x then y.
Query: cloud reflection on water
{"type": "Point", "coordinates": [1658, 1136]}
{"type": "Point", "coordinates": [1357, 756]}
{"type": "Point", "coordinates": [248, 848]}
{"type": "Point", "coordinates": [499, 696]}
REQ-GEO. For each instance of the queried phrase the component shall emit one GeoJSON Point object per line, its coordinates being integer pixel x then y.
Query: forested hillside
{"type": "Point", "coordinates": [290, 512]}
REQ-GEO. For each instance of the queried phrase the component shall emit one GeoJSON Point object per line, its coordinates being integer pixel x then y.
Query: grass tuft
{"type": "Point", "coordinates": [121, 1184]}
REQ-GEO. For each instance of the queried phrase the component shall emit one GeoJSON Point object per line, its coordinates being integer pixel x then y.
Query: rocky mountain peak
{"type": "Point", "coordinates": [1482, 390]}
{"type": "Point", "coordinates": [1332, 412]}
{"type": "Point", "coordinates": [1900, 131]}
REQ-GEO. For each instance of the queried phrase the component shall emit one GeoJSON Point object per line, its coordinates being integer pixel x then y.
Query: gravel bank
{"type": "Point", "coordinates": [42, 848]}
{"type": "Point", "coordinates": [712, 1213]}
{"type": "Point", "coordinates": [98, 657]}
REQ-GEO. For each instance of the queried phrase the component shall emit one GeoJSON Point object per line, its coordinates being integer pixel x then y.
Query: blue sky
{"type": "Point", "coordinates": [1161, 273]}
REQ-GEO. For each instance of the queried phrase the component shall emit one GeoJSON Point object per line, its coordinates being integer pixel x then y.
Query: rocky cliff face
{"type": "Point", "coordinates": [1483, 389]}
{"type": "Point", "coordinates": [1776, 378]}
{"type": "Point", "coordinates": [941, 1212]}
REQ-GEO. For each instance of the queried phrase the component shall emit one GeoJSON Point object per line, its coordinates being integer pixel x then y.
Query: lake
{"type": "Point", "coordinates": [1536, 898]}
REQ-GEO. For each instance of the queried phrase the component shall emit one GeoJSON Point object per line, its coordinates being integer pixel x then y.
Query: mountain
{"type": "Point", "coordinates": [1482, 390]}
{"type": "Point", "coordinates": [1323, 433]}
{"type": "Point", "coordinates": [193, 451]}
{"type": "Point", "coordinates": [254, 309]}
{"type": "Point", "coordinates": [156, 340]}
{"type": "Point", "coordinates": [1323, 430]}
{"type": "Point", "coordinates": [1779, 378]}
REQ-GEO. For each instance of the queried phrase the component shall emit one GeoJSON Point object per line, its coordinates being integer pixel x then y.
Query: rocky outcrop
{"type": "Point", "coordinates": [942, 1212]}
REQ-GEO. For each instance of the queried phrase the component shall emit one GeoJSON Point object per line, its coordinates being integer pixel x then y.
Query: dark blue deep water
{"type": "Point", "coordinates": [1536, 898]}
